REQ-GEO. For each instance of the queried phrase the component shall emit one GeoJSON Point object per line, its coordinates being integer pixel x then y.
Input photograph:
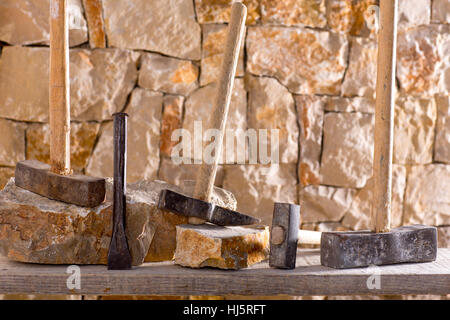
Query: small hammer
{"type": "Point", "coordinates": [199, 208]}
{"type": "Point", "coordinates": [57, 181]}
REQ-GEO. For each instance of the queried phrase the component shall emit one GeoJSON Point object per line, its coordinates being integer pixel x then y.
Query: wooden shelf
{"type": "Point", "coordinates": [309, 278]}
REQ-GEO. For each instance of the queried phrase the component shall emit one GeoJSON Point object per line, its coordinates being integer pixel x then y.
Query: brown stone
{"type": "Point", "coordinates": [12, 142]}
{"type": "Point", "coordinates": [309, 13]}
{"type": "Point", "coordinates": [413, 15]}
{"type": "Point", "coordinates": [94, 16]}
{"type": "Point", "coordinates": [442, 142]}
{"type": "Point", "coordinates": [353, 104]}
{"type": "Point", "coordinates": [167, 75]}
{"type": "Point", "coordinates": [441, 11]}
{"type": "Point", "coordinates": [218, 11]}
{"type": "Point", "coordinates": [82, 138]}
{"type": "Point", "coordinates": [207, 245]}
{"type": "Point", "coordinates": [144, 109]}
{"type": "Point", "coordinates": [272, 107]}
{"type": "Point", "coordinates": [444, 237]}
{"type": "Point", "coordinates": [5, 175]}
{"type": "Point", "coordinates": [165, 26]}
{"type": "Point", "coordinates": [171, 120]}
{"type": "Point", "coordinates": [305, 61]}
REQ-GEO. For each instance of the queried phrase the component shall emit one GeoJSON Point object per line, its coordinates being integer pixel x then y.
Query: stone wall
{"type": "Point", "coordinates": [307, 68]}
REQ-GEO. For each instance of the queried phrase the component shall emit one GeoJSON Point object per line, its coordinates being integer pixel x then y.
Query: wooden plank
{"type": "Point", "coordinates": [309, 278]}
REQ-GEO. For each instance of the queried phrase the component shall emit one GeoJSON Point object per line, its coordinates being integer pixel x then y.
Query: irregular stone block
{"type": "Point", "coordinates": [413, 15]}
{"type": "Point", "coordinates": [166, 26]}
{"type": "Point", "coordinates": [171, 121]}
{"type": "Point", "coordinates": [24, 22]}
{"type": "Point", "coordinates": [309, 13]}
{"type": "Point", "coordinates": [427, 198]}
{"type": "Point", "coordinates": [414, 127]}
{"type": "Point", "coordinates": [347, 149]}
{"type": "Point", "coordinates": [358, 215]}
{"type": "Point", "coordinates": [305, 61]}
{"type": "Point", "coordinates": [442, 142]}
{"type": "Point", "coordinates": [168, 75]}
{"type": "Point", "coordinates": [94, 16]}
{"type": "Point", "coordinates": [361, 76]}
{"type": "Point", "coordinates": [441, 11]}
{"type": "Point", "coordinates": [257, 187]}
{"type": "Point", "coordinates": [82, 138]}
{"type": "Point", "coordinates": [271, 106]}
{"type": "Point", "coordinates": [443, 237]}
{"type": "Point", "coordinates": [199, 106]}
{"type": "Point", "coordinates": [144, 109]}
{"type": "Point", "coordinates": [322, 203]}
{"type": "Point", "coordinates": [12, 142]}
{"type": "Point", "coordinates": [209, 245]}
{"type": "Point", "coordinates": [422, 60]}
{"type": "Point", "coordinates": [218, 11]}
{"type": "Point", "coordinates": [5, 175]}
{"type": "Point", "coordinates": [354, 104]}
{"type": "Point", "coordinates": [310, 110]}
{"type": "Point", "coordinates": [100, 82]}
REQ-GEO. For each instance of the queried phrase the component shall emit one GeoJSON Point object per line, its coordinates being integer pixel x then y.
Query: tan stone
{"type": "Point", "coordinates": [5, 175]}
{"type": "Point", "coordinates": [358, 215]}
{"type": "Point", "coordinates": [199, 107]}
{"type": "Point", "coordinates": [423, 67]}
{"type": "Point", "coordinates": [348, 16]}
{"type": "Point", "coordinates": [82, 138]}
{"type": "Point", "coordinates": [413, 14]}
{"type": "Point", "coordinates": [323, 203]}
{"type": "Point", "coordinates": [200, 246]}
{"type": "Point", "coordinates": [214, 38]}
{"type": "Point", "coordinates": [24, 22]}
{"type": "Point", "coordinates": [426, 198]}
{"type": "Point", "coordinates": [304, 60]}
{"type": "Point", "coordinates": [414, 127]}
{"type": "Point", "coordinates": [12, 142]}
{"type": "Point", "coordinates": [218, 11]}
{"type": "Point", "coordinates": [272, 107]}
{"type": "Point", "coordinates": [310, 110]}
{"type": "Point", "coordinates": [309, 13]}
{"type": "Point", "coordinates": [176, 174]}
{"type": "Point", "coordinates": [168, 75]}
{"type": "Point", "coordinates": [100, 83]}
{"type": "Point", "coordinates": [94, 16]}
{"type": "Point", "coordinates": [257, 187]}
{"type": "Point", "coordinates": [361, 76]}
{"type": "Point", "coordinates": [442, 143]}
{"type": "Point", "coordinates": [347, 149]}
{"type": "Point", "coordinates": [144, 109]}
{"type": "Point", "coordinates": [441, 11]}
{"type": "Point", "coordinates": [444, 237]}
{"type": "Point", "coordinates": [165, 26]}
{"type": "Point", "coordinates": [171, 121]}
{"type": "Point", "coordinates": [354, 104]}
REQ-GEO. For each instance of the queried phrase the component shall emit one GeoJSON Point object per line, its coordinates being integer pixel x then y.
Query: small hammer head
{"type": "Point", "coordinates": [354, 249]}
{"type": "Point", "coordinates": [36, 177]}
{"type": "Point", "coordinates": [284, 235]}
{"type": "Point", "coordinates": [190, 207]}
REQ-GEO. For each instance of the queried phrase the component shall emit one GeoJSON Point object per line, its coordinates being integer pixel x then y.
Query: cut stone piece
{"type": "Point", "coordinates": [208, 245]}
{"type": "Point", "coordinates": [442, 143]}
{"type": "Point", "coordinates": [441, 11]}
{"type": "Point", "coordinates": [12, 142]}
{"type": "Point", "coordinates": [214, 11]}
{"type": "Point", "coordinates": [309, 13]}
{"type": "Point", "coordinates": [355, 249]}
{"type": "Point", "coordinates": [94, 16]}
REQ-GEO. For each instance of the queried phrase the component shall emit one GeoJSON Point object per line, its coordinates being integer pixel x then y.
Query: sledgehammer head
{"type": "Point", "coordinates": [354, 249]}
{"type": "Point", "coordinates": [36, 177]}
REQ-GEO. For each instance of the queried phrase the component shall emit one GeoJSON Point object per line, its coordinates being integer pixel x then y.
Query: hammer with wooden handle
{"type": "Point", "coordinates": [57, 181]}
{"type": "Point", "coordinates": [199, 208]}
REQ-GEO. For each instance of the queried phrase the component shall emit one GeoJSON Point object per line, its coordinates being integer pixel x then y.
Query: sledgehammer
{"type": "Point", "coordinates": [56, 181]}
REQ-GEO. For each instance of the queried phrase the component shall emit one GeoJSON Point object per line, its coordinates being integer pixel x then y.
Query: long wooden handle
{"type": "Point", "coordinates": [59, 94]}
{"type": "Point", "coordinates": [384, 116]}
{"type": "Point", "coordinates": [207, 171]}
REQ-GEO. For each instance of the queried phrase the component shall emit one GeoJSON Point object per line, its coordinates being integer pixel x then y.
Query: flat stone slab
{"type": "Point", "coordinates": [214, 246]}
{"type": "Point", "coordinates": [416, 243]}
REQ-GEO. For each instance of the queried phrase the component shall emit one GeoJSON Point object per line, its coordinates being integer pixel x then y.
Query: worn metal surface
{"type": "Point", "coordinates": [283, 244]}
{"type": "Point", "coordinates": [342, 250]}
{"type": "Point", "coordinates": [119, 257]}
{"type": "Point", "coordinates": [190, 207]}
{"type": "Point", "coordinates": [81, 190]}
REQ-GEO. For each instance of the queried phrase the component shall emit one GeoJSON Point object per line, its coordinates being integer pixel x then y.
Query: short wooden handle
{"type": "Point", "coordinates": [207, 171]}
{"type": "Point", "coordinates": [59, 90]}
{"type": "Point", "coordinates": [309, 237]}
{"type": "Point", "coordinates": [384, 116]}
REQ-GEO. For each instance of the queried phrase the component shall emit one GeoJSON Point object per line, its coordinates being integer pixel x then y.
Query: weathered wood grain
{"type": "Point", "coordinates": [309, 278]}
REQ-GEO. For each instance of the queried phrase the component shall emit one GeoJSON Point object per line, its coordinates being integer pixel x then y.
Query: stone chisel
{"type": "Point", "coordinates": [415, 243]}
{"type": "Point", "coordinates": [199, 207]}
{"type": "Point", "coordinates": [119, 257]}
{"type": "Point", "coordinates": [56, 181]}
